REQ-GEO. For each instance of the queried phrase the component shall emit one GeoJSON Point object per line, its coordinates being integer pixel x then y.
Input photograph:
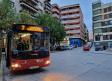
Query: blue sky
{"type": "Point", "coordinates": [86, 7]}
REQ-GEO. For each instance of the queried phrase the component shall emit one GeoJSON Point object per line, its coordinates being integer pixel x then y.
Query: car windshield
{"type": "Point", "coordinates": [30, 41]}
{"type": "Point", "coordinates": [85, 46]}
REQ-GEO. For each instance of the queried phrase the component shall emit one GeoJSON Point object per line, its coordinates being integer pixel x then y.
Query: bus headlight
{"type": "Point", "coordinates": [15, 65]}
{"type": "Point", "coordinates": [47, 62]}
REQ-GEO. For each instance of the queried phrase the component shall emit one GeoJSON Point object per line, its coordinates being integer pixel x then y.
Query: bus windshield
{"type": "Point", "coordinates": [30, 41]}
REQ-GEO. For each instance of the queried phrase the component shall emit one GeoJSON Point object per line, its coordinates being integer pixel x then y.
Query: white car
{"type": "Point", "coordinates": [69, 47]}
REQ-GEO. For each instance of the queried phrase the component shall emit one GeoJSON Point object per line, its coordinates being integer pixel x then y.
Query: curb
{"type": "Point", "coordinates": [1, 69]}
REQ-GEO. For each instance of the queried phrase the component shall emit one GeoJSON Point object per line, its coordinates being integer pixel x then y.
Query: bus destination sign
{"type": "Point", "coordinates": [32, 28]}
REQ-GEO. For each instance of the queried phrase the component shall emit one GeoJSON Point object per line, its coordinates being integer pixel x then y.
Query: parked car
{"type": "Point", "coordinates": [90, 44]}
{"type": "Point", "coordinates": [69, 47]}
{"type": "Point", "coordinates": [60, 48]}
{"type": "Point", "coordinates": [64, 47]}
{"type": "Point", "coordinates": [86, 47]}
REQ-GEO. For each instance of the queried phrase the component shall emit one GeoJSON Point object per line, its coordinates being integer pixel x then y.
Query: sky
{"type": "Point", "coordinates": [86, 7]}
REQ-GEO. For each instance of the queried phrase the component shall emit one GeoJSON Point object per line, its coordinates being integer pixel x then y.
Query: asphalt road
{"type": "Point", "coordinates": [68, 65]}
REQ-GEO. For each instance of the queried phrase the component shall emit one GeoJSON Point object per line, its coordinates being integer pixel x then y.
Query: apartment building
{"type": "Point", "coordinates": [55, 11]}
{"type": "Point", "coordinates": [33, 6]}
{"type": "Point", "coordinates": [102, 23]}
{"type": "Point", "coordinates": [91, 35]}
{"type": "Point", "coordinates": [72, 18]}
{"type": "Point", "coordinates": [86, 34]}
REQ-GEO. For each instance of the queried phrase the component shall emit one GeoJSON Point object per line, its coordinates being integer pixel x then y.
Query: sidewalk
{"type": "Point", "coordinates": [92, 50]}
{"type": "Point", "coordinates": [1, 68]}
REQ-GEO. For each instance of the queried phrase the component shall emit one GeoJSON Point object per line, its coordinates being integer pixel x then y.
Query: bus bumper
{"type": "Point", "coordinates": [29, 64]}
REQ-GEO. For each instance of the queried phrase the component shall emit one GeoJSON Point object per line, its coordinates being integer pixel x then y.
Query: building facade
{"type": "Point", "coordinates": [91, 35]}
{"type": "Point", "coordinates": [102, 24]}
{"type": "Point", "coordinates": [72, 18]}
{"type": "Point", "coordinates": [86, 34]}
{"type": "Point", "coordinates": [33, 6]}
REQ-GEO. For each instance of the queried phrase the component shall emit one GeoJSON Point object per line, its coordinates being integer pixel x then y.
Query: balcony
{"type": "Point", "coordinates": [55, 15]}
{"type": "Point", "coordinates": [34, 1]}
{"type": "Point", "coordinates": [73, 36]}
{"type": "Point", "coordinates": [64, 11]}
{"type": "Point", "coordinates": [55, 10]}
{"type": "Point", "coordinates": [73, 31]}
{"type": "Point", "coordinates": [74, 25]}
{"type": "Point", "coordinates": [73, 10]}
{"type": "Point", "coordinates": [47, 3]}
{"type": "Point", "coordinates": [75, 20]}
{"type": "Point", "coordinates": [64, 21]}
{"type": "Point", "coordinates": [28, 5]}
{"type": "Point", "coordinates": [62, 17]}
{"type": "Point", "coordinates": [75, 15]}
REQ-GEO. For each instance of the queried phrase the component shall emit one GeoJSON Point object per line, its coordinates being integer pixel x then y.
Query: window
{"type": "Point", "coordinates": [109, 9]}
{"type": "Point", "coordinates": [106, 23]}
{"type": "Point", "coordinates": [110, 15]}
{"type": "Point", "coordinates": [105, 16]}
{"type": "Point", "coordinates": [105, 10]}
{"type": "Point", "coordinates": [105, 29]}
{"type": "Point", "coordinates": [97, 5]}
{"type": "Point", "coordinates": [110, 29]}
{"type": "Point", "coordinates": [96, 12]}
{"type": "Point", "coordinates": [97, 18]}
{"type": "Point", "coordinates": [98, 31]}
{"type": "Point", "coordinates": [110, 22]}
{"type": "Point", "coordinates": [110, 36]}
{"type": "Point", "coordinates": [107, 37]}
{"type": "Point", "coordinates": [97, 24]}
{"type": "Point", "coordinates": [97, 38]}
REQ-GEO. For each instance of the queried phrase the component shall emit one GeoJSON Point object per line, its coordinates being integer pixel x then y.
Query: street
{"type": "Point", "coordinates": [67, 65]}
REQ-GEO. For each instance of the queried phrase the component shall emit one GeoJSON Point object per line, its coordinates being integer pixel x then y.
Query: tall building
{"type": "Point", "coordinates": [102, 24]}
{"type": "Point", "coordinates": [33, 6]}
{"type": "Point", "coordinates": [86, 34]}
{"type": "Point", "coordinates": [72, 18]}
{"type": "Point", "coordinates": [55, 11]}
{"type": "Point", "coordinates": [91, 35]}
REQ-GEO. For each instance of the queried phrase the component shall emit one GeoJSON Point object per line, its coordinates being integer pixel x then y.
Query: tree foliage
{"type": "Point", "coordinates": [8, 16]}
{"type": "Point", "coordinates": [57, 30]}
{"type": "Point", "coordinates": [7, 13]}
{"type": "Point", "coordinates": [24, 17]}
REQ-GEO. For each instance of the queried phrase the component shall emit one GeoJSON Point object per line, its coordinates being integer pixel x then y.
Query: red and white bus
{"type": "Point", "coordinates": [27, 47]}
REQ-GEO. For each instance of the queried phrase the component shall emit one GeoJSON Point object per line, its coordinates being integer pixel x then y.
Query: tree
{"type": "Point", "coordinates": [7, 14]}
{"type": "Point", "coordinates": [57, 30]}
{"type": "Point", "coordinates": [24, 17]}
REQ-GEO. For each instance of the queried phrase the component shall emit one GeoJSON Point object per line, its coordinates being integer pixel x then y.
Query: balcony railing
{"type": "Point", "coordinates": [29, 5]}
{"type": "Point", "coordinates": [73, 10]}
{"type": "Point", "coordinates": [34, 1]}
{"type": "Point", "coordinates": [64, 16]}
{"type": "Point", "coordinates": [47, 2]}
{"type": "Point", "coordinates": [64, 11]}
{"type": "Point", "coordinates": [64, 22]}
{"type": "Point", "coordinates": [55, 15]}
{"type": "Point", "coordinates": [73, 36]}
{"type": "Point", "coordinates": [55, 10]}
{"type": "Point", "coordinates": [75, 20]}
{"type": "Point", "coordinates": [75, 15]}
{"type": "Point", "coordinates": [73, 31]}
{"type": "Point", "coordinates": [74, 25]}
